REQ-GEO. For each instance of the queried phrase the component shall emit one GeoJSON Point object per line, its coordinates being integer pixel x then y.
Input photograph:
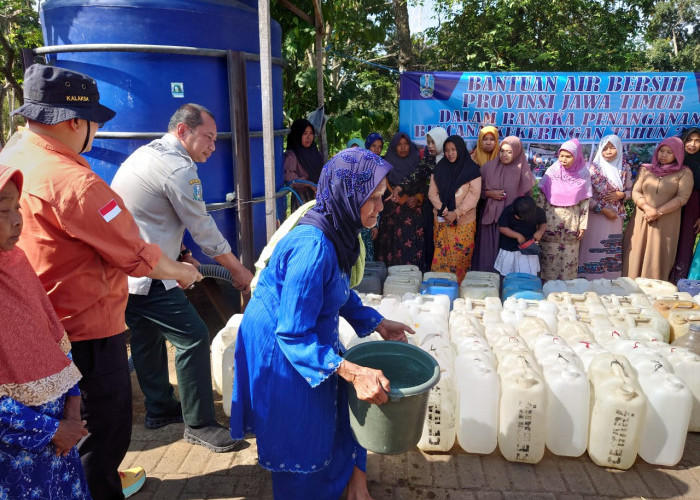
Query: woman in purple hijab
{"type": "Point", "coordinates": [564, 192]}
{"type": "Point", "coordinates": [288, 364]}
{"type": "Point", "coordinates": [662, 188]}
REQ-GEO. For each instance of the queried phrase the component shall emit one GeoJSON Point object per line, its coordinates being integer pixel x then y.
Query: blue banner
{"type": "Point", "coordinates": [550, 108]}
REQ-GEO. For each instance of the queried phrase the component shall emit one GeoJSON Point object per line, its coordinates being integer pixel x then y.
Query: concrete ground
{"type": "Point", "coordinates": [178, 470]}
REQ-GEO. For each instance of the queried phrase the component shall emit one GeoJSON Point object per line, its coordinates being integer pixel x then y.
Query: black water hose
{"type": "Point", "coordinates": [216, 271]}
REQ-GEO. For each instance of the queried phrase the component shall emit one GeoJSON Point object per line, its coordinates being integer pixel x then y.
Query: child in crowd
{"type": "Point", "coordinates": [521, 225]}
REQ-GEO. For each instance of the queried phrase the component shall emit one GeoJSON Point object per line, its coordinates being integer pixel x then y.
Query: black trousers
{"type": "Point", "coordinates": [106, 406]}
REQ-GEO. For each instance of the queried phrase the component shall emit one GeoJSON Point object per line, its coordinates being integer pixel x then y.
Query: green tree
{"type": "Point", "coordinates": [360, 97]}
{"type": "Point", "coordinates": [532, 35]}
{"type": "Point", "coordinates": [19, 28]}
{"type": "Point", "coordinates": [674, 36]}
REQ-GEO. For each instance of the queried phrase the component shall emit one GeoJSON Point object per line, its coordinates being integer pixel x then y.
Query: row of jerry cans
{"type": "Point", "coordinates": [600, 331]}
{"type": "Point", "coordinates": [408, 279]}
{"type": "Point", "coordinates": [649, 425]}
{"type": "Point", "coordinates": [652, 288]}
{"type": "Point", "coordinates": [666, 318]}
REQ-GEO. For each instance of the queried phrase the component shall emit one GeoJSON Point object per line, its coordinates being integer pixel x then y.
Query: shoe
{"type": "Point", "coordinates": [214, 437]}
{"type": "Point", "coordinates": [132, 480]}
{"type": "Point", "coordinates": [173, 416]}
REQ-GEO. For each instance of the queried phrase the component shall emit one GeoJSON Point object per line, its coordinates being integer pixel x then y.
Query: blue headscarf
{"type": "Point", "coordinates": [346, 181]}
{"type": "Point", "coordinates": [355, 141]}
{"type": "Point", "coordinates": [373, 137]}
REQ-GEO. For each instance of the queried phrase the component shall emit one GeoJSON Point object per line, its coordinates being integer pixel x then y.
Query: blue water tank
{"type": "Point", "coordinates": [146, 88]}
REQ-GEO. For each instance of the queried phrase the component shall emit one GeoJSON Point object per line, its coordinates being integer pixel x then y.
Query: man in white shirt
{"type": "Point", "coordinates": [160, 187]}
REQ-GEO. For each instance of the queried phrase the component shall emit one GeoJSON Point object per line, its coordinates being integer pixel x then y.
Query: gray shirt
{"type": "Point", "coordinates": [160, 187]}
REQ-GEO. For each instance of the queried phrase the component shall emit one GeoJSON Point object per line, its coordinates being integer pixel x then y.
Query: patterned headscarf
{"type": "Point", "coordinates": [566, 187]}
{"type": "Point", "coordinates": [611, 171]}
{"type": "Point", "coordinates": [33, 345]}
{"type": "Point", "coordinates": [479, 155]}
{"type": "Point", "coordinates": [346, 181]}
{"type": "Point", "coordinates": [678, 149]}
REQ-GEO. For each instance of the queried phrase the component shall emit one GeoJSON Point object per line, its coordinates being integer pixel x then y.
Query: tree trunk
{"type": "Point", "coordinates": [321, 99]}
{"type": "Point", "coordinates": [675, 42]}
{"type": "Point", "coordinates": [403, 34]}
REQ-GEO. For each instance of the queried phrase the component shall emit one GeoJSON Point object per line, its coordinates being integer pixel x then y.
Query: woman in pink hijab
{"type": "Point", "coordinates": [662, 188]}
{"type": "Point", "coordinates": [564, 192]}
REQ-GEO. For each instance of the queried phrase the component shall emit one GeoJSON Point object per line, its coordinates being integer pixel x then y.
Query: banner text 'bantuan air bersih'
{"type": "Point", "coordinates": [550, 108]}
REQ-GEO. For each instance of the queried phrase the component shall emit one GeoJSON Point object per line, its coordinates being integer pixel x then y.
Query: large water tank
{"type": "Point", "coordinates": [145, 88]}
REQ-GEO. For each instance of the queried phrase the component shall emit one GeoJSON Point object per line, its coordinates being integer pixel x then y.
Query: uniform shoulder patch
{"type": "Point", "coordinates": [196, 189]}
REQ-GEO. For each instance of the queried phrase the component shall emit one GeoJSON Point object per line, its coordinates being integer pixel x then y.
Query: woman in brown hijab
{"type": "Point", "coordinates": [502, 181]}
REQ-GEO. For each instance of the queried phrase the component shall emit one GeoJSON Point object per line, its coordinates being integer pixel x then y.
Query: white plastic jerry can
{"type": "Point", "coordinates": [568, 401]}
{"type": "Point", "coordinates": [522, 426]}
{"type": "Point", "coordinates": [618, 407]}
{"type": "Point", "coordinates": [654, 288]}
{"type": "Point", "coordinates": [530, 329]}
{"type": "Point", "coordinates": [223, 348]}
{"type": "Point", "coordinates": [587, 351]}
{"type": "Point", "coordinates": [686, 365]}
{"type": "Point", "coordinates": [669, 403]}
{"type": "Point", "coordinates": [574, 331]}
{"type": "Point", "coordinates": [478, 394]}
{"type": "Point", "coordinates": [439, 427]}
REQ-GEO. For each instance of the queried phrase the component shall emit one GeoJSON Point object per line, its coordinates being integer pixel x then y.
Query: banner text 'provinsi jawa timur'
{"type": "Point", "coordinates": [551, 107]}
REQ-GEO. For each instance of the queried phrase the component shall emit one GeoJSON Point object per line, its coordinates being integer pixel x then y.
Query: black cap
{"type": "Point", "coordinates": [53, 95]}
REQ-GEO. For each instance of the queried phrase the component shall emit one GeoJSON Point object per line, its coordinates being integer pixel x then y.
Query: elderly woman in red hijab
{"type": "Point", "coordinates": [662, 188]}
{"type": "Point", "coordinates": [39, 397]}
{"type": "Point", "coordinates": [502, 181]}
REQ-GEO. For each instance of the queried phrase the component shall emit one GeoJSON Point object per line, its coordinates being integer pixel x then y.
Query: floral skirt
{"type": "Point", "coordinates": [454, 248]}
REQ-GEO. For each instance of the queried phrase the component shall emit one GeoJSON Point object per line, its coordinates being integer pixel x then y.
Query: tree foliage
{"type": "Point", "coordinates": [674, 36]}
{"type": "Point", "coordinates": [19, 28]}
{"type": "Point", "coordinates": [532, 35]}
{"type": "Point", "coordinates": [359, 97]}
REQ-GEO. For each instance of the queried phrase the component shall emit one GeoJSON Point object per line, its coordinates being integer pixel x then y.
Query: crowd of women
{"type": "Point", "coordinates": [445, 210]}
{"type": "Point", "coordinates": [449, 209]}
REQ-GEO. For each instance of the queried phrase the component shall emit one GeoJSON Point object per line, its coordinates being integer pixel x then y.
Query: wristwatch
{"type": "Point", "coordinates": [184, 252]}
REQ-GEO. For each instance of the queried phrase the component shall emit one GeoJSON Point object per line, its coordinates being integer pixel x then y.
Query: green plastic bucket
{"type": "Point", "coordinates": [395, 426]}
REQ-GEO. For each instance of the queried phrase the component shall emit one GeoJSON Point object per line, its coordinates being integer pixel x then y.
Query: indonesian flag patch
{"type": "Point", "coordinates": [110, 210]}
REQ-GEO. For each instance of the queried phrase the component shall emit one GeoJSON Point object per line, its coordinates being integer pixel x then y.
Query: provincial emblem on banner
{"type": "Point", "coordinates": [427, 85]}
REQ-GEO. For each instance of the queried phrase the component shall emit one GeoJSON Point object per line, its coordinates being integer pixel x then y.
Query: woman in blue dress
{"type": "Point", "coordinates": [39, 397]}
{"type": "Point", "coordinates": [288, 365]}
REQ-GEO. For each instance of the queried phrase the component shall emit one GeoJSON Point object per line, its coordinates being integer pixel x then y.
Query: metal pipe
{"type": "Point", "coordinates": [225, 205]}
{"type": "Point", "coordinates": [155, 49]}
{"type": "Point", "coordinates": [156, 135]}
{"type": "Point", "coordinates": [240, 142]}
{"type": "Point", "coordinates": [267, 114]}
